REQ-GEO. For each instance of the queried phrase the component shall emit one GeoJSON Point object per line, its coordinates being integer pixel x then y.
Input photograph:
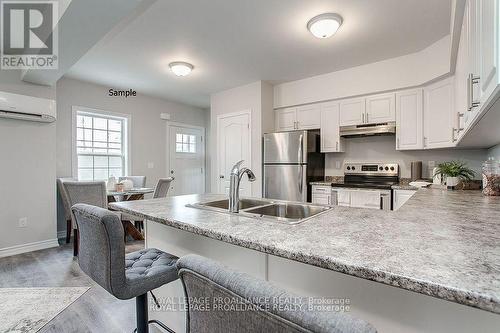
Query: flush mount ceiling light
{"type": "Point", "coordinates": [324, 25]}
{"type": "Point", "coordinates": [181, 68]}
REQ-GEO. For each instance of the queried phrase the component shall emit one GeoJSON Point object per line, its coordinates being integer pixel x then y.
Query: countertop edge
{"type": "Point", "coordinates": [459, 296]}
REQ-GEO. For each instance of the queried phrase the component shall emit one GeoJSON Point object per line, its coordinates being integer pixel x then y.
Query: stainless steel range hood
{"type": "Point", "coordinates": [368, 130]}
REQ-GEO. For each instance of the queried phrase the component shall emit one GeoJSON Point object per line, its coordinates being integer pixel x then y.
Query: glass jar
{"type": "Point", "coordinates": [491, 177]}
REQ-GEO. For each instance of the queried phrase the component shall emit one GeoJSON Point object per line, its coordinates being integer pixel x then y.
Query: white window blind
{"type": "Point", "coordinates": [100, 146]}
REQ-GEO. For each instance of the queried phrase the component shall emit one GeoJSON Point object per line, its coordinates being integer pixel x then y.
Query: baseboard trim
{"type": "Point", "coordinates": [29, 247]}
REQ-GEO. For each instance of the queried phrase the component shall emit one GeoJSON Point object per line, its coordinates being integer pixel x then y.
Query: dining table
{"type": "Point", "coordinates": [130, 195]}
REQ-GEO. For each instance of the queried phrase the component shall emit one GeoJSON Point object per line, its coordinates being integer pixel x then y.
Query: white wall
{"type": "Point", "coordinates": [257, 97]}
{"type": "Point", "coordinates": [391, 74]}
{"type": "Point", "coordinates": [28, 151]}
{"type": "Point", "coordinates": [383, 149]}
{"type": "Point", "coordinates": [494, 152]}
{"type": "Point", "coordinates": [148, 131]}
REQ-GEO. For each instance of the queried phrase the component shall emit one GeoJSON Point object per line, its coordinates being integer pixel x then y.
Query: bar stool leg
{"type": "Point", "coordinates": [141, 308]}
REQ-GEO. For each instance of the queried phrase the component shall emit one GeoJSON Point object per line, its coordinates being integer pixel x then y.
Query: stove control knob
{"type": "Point", "coordinates": [386, 168]}
{"type": "Point", "coordinates": [348, 168]}
{"type": "Point", "coordinates": [381, 168]}
{"type": "Point", "coordinates": [354, 168]}
{"type": "Point", "coordinates": [392, 168]}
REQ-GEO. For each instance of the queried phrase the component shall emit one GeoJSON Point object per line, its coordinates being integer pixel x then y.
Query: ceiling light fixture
{"type": "Point", "coordinates": [324, 25]}
{"type": "Point", "coordinates": [181, 68]}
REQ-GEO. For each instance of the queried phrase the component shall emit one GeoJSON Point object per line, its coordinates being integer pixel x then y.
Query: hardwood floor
{"type": "Point", "coordinates": [94, 311]}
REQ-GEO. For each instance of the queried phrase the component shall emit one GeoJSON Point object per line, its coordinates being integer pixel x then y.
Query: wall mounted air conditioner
{"type": "Point", "coordinates": [29, 108]}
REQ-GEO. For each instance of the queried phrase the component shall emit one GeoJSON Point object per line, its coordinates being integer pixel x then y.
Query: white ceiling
{"type": "Point", "coordinates": [234, 42]}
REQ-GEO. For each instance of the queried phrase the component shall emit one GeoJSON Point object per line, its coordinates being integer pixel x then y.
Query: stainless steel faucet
{"type": "Point", "coordinates": [234, 185]}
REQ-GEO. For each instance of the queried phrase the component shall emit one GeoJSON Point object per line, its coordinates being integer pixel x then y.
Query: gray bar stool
{"type": "Point", "coordinates": [102, 257]}
{"type": "Point", "coordinates": [267, 308]}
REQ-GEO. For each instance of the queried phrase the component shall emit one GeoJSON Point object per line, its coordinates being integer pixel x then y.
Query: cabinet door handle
{"type": "Point", "coordinates": [367, 117]}
{"type": "Point", "coordinates": [459, 115]}
{"type": "Point", "coordinates": [337, 146]}
{"type": "Point", "coordinates": [453, 134]}
{"type": "Point", "coordinates": [425, 141]}
{"type": "Point", "coordinates": [397, 143]}
{"type": "Point", "coordinates": [363, 118]}
{"type": "Point", "coordinates": [471, 81]}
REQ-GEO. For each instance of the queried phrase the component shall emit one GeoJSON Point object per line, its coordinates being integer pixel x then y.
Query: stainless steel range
{"type": "Point", "coordinates": [366, 185]}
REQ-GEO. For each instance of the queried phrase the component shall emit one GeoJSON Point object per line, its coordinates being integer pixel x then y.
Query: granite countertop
{"type": "Point", "coordinates": [441, 243]}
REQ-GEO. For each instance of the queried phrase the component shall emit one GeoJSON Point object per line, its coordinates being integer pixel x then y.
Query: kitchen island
{"type": "Point", "coordinates": [444, 244]}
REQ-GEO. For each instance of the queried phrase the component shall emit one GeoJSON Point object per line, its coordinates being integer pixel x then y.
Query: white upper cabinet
{"type": "Point", "coordinates": [297, 118]}
{"type": "Point", "coordinates": [308, 116]}
{"type": "Point", "coordinates": [352, 111]}
{"type": "Point", "coordinates": [380, 109]}
{"type": "Point", "coordinates": [409, 120]}
{"type": "Point", "coordinates": [285, 119]}
{"type": "Point", "coordinates": [488, 43]}
{"type": "Point", "coordinates": [438, 114]}
{"type": "Point", "coordinates": [329, 130]}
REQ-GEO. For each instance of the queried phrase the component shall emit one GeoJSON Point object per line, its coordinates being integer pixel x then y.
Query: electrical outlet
{"type": "Point", "coordinates": [151, 165]}
{"type": "Point", "coordinates": [23, 222]}
{"type": "Point", "coordinates": [337, 164]}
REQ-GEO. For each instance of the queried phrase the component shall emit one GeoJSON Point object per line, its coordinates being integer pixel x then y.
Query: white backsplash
{"type": "Point", "coordinates": [383, 149]}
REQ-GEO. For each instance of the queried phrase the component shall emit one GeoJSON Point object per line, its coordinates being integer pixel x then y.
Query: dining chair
{"type": "Point", "coordinates": [66, 206]}
{"type": "Point", "coordinates": [139, 182]}
{"type": "Point", "coordinates": [162, 187]}
{"type": "Point", "coordinates": [267, 308]}
{"type": "Point", "coordinates": [86, 192]}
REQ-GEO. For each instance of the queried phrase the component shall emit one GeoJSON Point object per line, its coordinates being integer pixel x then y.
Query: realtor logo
{"type": "Point", "coordinates": [29, 37]}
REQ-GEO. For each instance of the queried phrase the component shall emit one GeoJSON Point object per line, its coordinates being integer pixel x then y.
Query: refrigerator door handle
{"type": "Point", "coordinates": [301, 149]}
{"type": "Point", "coordinates": [301, 172]}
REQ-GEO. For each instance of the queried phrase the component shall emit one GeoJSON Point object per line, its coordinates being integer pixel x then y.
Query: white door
{"type": "Point", "coordinates": [352, 112]}
{"type": "Point", "coordinates": [409, 120]}
{"type": "Point", "coordinates": [233, 145]}
{"type": "Point", "coordinates": [186, 160]}
{"type": "Point", "coordinates": [329, 130]}
{"type": "Point", "coordinates": [380, 109]}
{"type": "Point", "coordinates": [285, 119]}
{"type": "Point", "coordinates": [308, 116]}
{"type": "Point", "coordinates": [438, 111]}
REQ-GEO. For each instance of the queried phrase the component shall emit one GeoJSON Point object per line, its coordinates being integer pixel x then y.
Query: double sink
{"type": "Point", "coordinates": [280, 211]}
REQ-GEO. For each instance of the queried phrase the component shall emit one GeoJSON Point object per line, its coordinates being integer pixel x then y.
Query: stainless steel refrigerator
{"type": "Point", "coordinates": [291, 161]}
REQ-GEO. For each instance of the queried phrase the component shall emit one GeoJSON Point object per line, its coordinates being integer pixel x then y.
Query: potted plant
{"type": "Point", "coordinates": [454, 172]}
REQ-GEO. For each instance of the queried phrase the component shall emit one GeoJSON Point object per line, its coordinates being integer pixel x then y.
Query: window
{"type": "Point", "coordinates": [101, 146]}
{"type": "Point", "coordinates": [185, 143]}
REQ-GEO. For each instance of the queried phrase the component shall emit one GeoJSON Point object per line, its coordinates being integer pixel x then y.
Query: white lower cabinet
{"type": "Point", "coordinates": [400, 197]}
{"type": "Point", "coordinates": [322, 195]}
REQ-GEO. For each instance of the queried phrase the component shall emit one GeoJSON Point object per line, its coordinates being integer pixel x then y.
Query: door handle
{"type": "Point", "coordinates": [471, 81]}
{"type": "Point", "coordinates": [301, 170]}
